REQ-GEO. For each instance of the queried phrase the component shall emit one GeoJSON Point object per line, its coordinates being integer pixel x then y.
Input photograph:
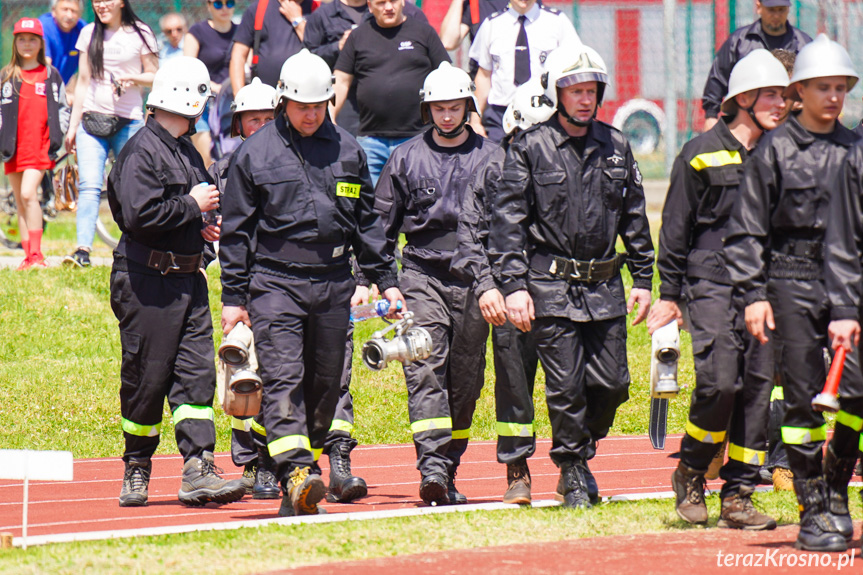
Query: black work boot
{"type": "Point", "coordinates": [433, 489]}
{"type": "Point", "coordinates": [250, 471]}
{"type": "Point", "coordinates": [589, 481]}
{"type": "Point", "coordinates": [837, 475]}
{"type": "Point", "coordinates": [818, 528]}
{"type": "Point", "coordinates": [266, 486]}
{"type": "Point", "coordinates": [202, 483]}
{"type": "Point", "coordinates": [344, 486]}
{"type": "Point", "coordinates": [455, 498]}
{"type": "Point", "coordinates": [136, 479]}
{"type": "Point", "coordinates": [688, 485]}
{"type": "Point", "coordinates": [571, 487]}
{"type": "Point", "coordinates": [518, 483]}
{"type": "Point", "coordinates": [738, 512]}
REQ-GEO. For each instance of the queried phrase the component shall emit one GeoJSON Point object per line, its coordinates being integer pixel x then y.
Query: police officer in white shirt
{"type": "Point", "coordinates": [510, 47]}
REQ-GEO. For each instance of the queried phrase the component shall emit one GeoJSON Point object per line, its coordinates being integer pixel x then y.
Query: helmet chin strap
{"type": "Point", "coordinates": [577, 123]}
{"type": "Point", "coordinates": [751, 111]}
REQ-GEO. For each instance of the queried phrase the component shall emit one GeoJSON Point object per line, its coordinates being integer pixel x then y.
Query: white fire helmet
{"type": "Point", "coordinates": [529, 106]}
{"type": "Point", "coordinates": [573, 63]}
{"type": "Point", "coordinates": [181, 86]}
{"type": "Point", "coordinates": [821, 58]}
{"type": "Point", "coordinates": [252, 97]}
{"type": "Point", "coordinates": [305, 78]}
{"type": "Point", "coordinates": [758, 69]}
{"type": "Point", "coordinates": [445, 84]}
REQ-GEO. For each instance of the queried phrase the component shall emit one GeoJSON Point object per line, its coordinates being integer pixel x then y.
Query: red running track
{"type": "Point", "coordinates": [624, 467]}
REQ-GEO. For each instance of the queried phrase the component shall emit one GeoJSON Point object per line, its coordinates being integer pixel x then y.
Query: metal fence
{"type": "Point", "coordinates": [655, 68]}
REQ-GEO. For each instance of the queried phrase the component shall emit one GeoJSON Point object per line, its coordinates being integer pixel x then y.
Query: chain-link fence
{"type": "Point", "coordinates": [631, 35]}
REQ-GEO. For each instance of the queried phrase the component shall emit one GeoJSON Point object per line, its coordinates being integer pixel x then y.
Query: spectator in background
{"type": "Point", "coordinates": [174, 27]}
{"type": "Point", "coordinates": [770, 31]}
{"type": "Point", "coordinates": [280, 38]}
{"type": "Point", "coordinates": [390, 58]}
{"type": "Point", "coordinates": [61, 27]}
{"type": "Point", "coordinates": [511, 47]}
{"type": "Point", "coordinates": [118, 58]}
{"type": "Point", "coordinates": [328, 29]}
{"type": "Point", "coordinates": [465, 17]}
{"type": "Point", "coordinates": [210, 41]}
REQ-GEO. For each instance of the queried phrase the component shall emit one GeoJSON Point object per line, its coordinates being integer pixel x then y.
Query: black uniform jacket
{"type": "Point", "coordinates": [784, 195]}
{"type": "Point", "coordinates": [420, 193]}
{"type": "Point", "coordinates": [148, 191]}
{"type": "Point", "coordinates": [58, 114]}
{"type": "Point", "coordinates": [471, 262]}
{"type": "Point", "coordinates": [740, 43]}
{"type": "Point", "coordinates": [553, 201]}
{"type": "Point", "coordinates": [703, 190]}
{"type": "Point", "coordinates": [314, 190]}
{"type": "Point", "coordinates": [844, 243]}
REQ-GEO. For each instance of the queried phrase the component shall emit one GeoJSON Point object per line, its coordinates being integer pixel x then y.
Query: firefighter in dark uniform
{"type": "Point", "coordinates": [419, 194]}
{"type": "Point", "coordinates": [159, 293]}
{"type": "Point", "coordinates": [300, 197]}
{"type": "Point", "coordinates": [570, 187]}
{"type": "Point", "coordinates": [774, 249]}
{"type": "Point", "coordinates": [515, 358]}
{"type": "Point", "coordinates": [733, 371]}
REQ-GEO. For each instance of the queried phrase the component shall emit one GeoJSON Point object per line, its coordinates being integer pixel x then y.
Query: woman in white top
{"type": "Point", "coordinates": [118, 58]}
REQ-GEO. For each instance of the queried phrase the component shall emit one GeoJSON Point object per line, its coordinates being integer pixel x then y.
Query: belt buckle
{"type": "Point", "coordinates": [575, 275]}
{"type": "Point", "coordinates": [172, 266]}
{"type": "Point", "coordinates": [590, 271]}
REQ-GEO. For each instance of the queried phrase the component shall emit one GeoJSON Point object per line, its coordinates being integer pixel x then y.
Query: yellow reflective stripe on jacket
{"type": "Point", "coordinates": [703, 435]}
{"type": "Point", "coordinates": [342, 425]}
{"type": "Point", "coordinates": [288, 443]}
{"type": "Point", "coordinates": [461, 433]}
{"type": "Point", "coordinates": [241, 424]}
{"type": "Point", "coordinates": [133, 428]}
{"type": "Point", "coordinates": [187, 411]}
{"type": "Point", "coordinates": [316, 453]}
{"type": "Point", "coordinates": [848, 420]}
{"type": "Point", "coordinates": [506, 429]}
{"type": "Point", "coordinates": [746, 455]}
{"type": "Point", "coordinates": [778, 393]}
{"type": "Point", "coordinates": [861, 443]}
{"type": "Point", "coordinates": [716, 159]}
{"type": "Point", "coordinates": [258, 428]}
{"type": "Point", "coordinates": [430, 424]}
{"type": "Point", "coordinates": [801, 435]}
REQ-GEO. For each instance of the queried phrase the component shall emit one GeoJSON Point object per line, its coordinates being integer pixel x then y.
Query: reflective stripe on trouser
{"type": "Point", "coordinates": [581, 407]}
{"type": "Point", "coordinates": [166, 334]}
{"type": "Point", "coordinates": [300, 327]}
{"type": "Point", "coordinates": [342, 427]}
{"type": "Point", "coordinates": [777, 456]}
{"type": "Point", "coordinates": [802, 315]}
{"type": "Point", "coordinates": [515, 362]}
{"type": "Point", "coordinates": [733, 382]}
{"type": "Point", "coordinates": [244, 448]}
{"type": "Point", "coordinates": [447, 384]}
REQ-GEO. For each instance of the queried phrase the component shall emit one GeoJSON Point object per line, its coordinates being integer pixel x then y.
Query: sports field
{"type": "Point", "coordinates": [59, 365]}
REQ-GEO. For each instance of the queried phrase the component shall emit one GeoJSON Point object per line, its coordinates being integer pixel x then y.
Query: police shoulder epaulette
{"type": "Point", "coordinates": [494, 15]}
{"type": "Point", "coordinates": [550, 9]}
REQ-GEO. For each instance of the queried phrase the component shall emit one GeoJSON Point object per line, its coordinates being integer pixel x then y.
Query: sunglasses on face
{"type": "Point", "coordinates": [218, 4]}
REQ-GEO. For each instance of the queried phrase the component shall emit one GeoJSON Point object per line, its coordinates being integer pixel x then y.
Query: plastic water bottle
{"type": "Point", "coordinates": [378, 308]}
{"type": "Point", "coordinates": [209, 217]}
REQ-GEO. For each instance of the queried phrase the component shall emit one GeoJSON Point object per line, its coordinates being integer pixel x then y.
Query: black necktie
{"type": "Point", "coordinates": [522, 54]}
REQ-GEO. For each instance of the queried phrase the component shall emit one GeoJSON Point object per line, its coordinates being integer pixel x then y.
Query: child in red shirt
{"type": "Point", "coordinates": [25, 82]}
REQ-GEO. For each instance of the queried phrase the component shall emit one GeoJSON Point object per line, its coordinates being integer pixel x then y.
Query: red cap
{"type": "Point", "coordinates": [28, 26]}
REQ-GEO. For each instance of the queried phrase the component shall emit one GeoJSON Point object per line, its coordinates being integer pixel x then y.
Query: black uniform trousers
{"type": "Point", "coordinates": [586, 380]}
{"type": "Point", "coordinates": [515, 362]}
{"type": "Point", "coordinates": [777, 456]}
{"type": "Point", "coordinates": [166, 333]}
{"type": "Point", "coordinates": [444, 388]}
{"type": "Point", "coordinates": [247, 436]}
{"type": "Point", "coordinates": [801, 312]}
{"type": "Point", "coordinates": [733, 382]}
{"type": "Point", "coordinates": [300, 325]}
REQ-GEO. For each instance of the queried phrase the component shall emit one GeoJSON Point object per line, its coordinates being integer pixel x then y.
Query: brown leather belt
{"type": "Point", "coordinates": [164, 262]}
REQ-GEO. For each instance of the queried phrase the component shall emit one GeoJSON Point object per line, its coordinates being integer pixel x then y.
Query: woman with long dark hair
{"type": "Point", "coordinates": [118, 58]}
